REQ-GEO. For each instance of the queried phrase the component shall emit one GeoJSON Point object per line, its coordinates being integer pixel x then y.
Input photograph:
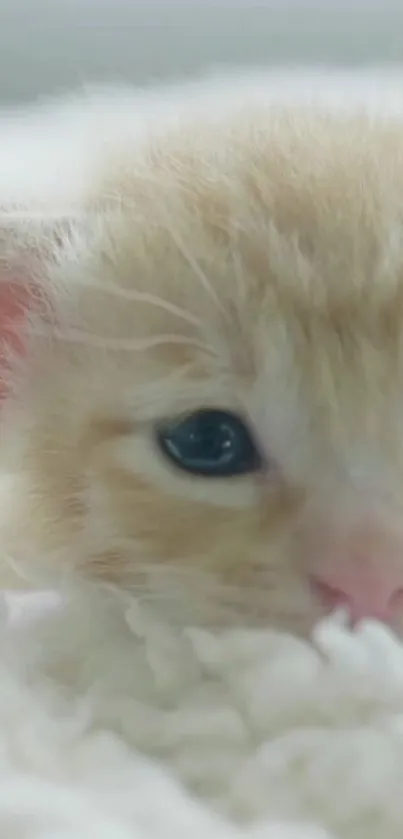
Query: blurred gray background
{"type": "Point", "coordinates": [48, 45]}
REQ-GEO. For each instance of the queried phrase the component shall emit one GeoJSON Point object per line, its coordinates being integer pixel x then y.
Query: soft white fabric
{"type": "Point", "coordinates": [169, 735]}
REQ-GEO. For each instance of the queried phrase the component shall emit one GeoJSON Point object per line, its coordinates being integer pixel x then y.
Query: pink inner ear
{"type": "Point", "coordinates": [13, 305]}
{"type": "Point", "coordinates": [14, 302]}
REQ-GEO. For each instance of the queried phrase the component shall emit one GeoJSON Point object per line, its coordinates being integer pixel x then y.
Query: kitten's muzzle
{"type": "Point", "coordinates": [360, 568]}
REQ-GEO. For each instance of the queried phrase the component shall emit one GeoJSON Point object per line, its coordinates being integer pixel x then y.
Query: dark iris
{"type": "Point", "coordinates": [212, 443]}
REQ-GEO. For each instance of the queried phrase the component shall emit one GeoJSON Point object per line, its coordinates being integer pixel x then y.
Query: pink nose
{"type": "Point", "coordinates": [369, 583]}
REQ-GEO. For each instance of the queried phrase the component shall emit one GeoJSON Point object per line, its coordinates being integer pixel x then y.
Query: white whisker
{"type": "Point", "coordinates": [237, 266]}
{"type": "Point", "coordinates": [197, 270]}
{"type": "Point", "coordinates": [145, 297]}
{"type": "Point", "coordinates": [77, 336]}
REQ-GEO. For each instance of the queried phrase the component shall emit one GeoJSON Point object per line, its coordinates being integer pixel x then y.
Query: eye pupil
{"type": "Point", "coordinates": [212, 443]}
{"type": "Point", "coordinates": [210, 439]}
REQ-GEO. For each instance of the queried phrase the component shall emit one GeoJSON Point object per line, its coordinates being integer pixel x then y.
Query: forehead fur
{"type": "Point", "coordinates": [307, 201]}
{"type": "Point", "coordinates": [297, 214]}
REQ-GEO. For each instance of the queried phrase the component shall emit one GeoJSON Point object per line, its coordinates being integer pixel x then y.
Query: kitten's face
{"type": "Point", "coordinates": [222, 431]}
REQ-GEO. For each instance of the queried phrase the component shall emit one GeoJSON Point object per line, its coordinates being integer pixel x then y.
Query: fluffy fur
{"type": "Point", "coordinates": [235, 244]}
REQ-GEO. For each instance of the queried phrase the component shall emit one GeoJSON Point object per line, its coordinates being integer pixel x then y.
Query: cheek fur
{"type": "Point", "coordinates": [185, 516]}
{"type": "Point", "coordinates": [216, 556]}
{"type": "Point", "coordinates": [210, 563]}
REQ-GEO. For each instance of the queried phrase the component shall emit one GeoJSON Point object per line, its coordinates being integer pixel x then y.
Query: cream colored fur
{"type": "Point", "coordinates": [233, 243]}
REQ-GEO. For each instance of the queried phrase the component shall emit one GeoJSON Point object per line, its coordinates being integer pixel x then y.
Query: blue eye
{"type": "Point", "coordinates": [212, 443]}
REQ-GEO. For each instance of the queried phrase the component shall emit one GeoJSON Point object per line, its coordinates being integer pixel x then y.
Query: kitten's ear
{"type": "Point", "coordinates": [29, 246]}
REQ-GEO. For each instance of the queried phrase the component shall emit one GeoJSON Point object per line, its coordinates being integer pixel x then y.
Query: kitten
{"type": "Point", "coordinates": [202, 367]}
